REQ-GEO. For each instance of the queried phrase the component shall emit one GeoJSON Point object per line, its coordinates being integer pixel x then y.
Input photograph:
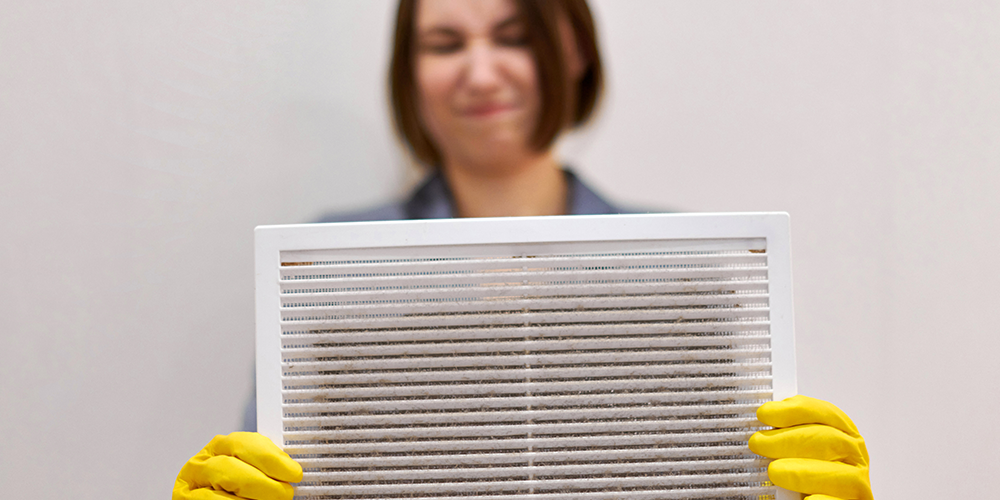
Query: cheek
{"type": "Point", "coordinates": [521, 69]}
{"type": "Point", "coordinates": [434, 84]}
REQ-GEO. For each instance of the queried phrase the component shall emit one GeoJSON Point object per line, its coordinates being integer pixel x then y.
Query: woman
{"type": "Point", "coordinates": [480, 91]}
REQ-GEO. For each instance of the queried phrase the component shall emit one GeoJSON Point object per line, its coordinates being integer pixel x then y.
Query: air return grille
{"type": "Point", "coordinates": [549, 358]}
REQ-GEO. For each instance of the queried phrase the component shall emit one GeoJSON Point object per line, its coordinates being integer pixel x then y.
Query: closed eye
{"type": "Point", "coordinates": [511, 33]}
{"type": "Point", "coordinates": [440, 41]}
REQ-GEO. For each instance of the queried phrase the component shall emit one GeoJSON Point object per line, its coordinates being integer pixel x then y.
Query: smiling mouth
{"type": "Point", "coordinates": [487, 110]}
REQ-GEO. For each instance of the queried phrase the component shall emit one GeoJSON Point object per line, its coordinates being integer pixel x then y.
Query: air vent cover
{"type": "Point", "coordinates": [598, 357]}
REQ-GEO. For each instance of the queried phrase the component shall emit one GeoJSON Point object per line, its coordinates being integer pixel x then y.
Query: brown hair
{"type": "Point", "coordinates": [564, 102]}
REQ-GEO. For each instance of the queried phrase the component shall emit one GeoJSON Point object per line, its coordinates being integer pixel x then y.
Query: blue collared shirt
{"type": "Point", "coordinates": [433, 200]}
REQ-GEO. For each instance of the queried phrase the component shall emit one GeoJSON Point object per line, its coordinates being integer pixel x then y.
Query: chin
{"type": "Point", "coordinates": [503, 142]}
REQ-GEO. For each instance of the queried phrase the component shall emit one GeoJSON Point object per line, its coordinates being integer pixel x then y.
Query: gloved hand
{"type": "Point", "coordinates": [242, 465]}
{"type": "Point", "coordinates": [817, 448]}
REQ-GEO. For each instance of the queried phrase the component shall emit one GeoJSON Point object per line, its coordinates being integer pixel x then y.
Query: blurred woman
{"type": "Point", "coordinates": [481, 90]}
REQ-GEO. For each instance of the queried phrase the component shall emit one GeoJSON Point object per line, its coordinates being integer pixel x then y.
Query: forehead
{"type": "Point", "coordinates": [464, 15]}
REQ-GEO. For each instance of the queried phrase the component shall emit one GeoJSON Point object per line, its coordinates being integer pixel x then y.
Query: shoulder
{"type": "Point", "coordinates": [392, 211]}
{"type": "Point", "coordinates": [584, 200]}
{"type": "Point", "coordinates": [430, 200]}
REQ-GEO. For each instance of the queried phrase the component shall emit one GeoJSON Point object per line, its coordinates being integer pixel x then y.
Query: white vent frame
{"type": "Point", "coordinates": [636, 231]}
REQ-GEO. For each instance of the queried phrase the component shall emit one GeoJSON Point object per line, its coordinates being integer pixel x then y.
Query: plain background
{"type": "Point", "coordinates": [141, 142]}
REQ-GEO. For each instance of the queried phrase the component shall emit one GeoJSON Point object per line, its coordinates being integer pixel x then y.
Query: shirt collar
{"type": "Point", "coordinates": [433, 200]}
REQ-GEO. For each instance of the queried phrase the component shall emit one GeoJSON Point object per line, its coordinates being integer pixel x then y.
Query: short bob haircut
{"type": "Point", "coordinates": [563, 104]}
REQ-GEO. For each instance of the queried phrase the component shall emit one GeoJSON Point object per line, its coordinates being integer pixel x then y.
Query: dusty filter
{"type": "Point", "coordinates": [598, 357]}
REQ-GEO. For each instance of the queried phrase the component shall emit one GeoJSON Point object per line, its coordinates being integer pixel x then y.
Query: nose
{"type": "Point", "coordinates": [484, 72]}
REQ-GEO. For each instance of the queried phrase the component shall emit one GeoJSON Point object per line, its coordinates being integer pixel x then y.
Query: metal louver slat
{"type": "Point", "coordinates": [385, 391]}
{"type": "Point", "coordinates": [297, 421]}
{"type": "Point", "coordinates": [293, 294]}
{"type": "Point", "coordinates": [570, 276]}
{"type": "Point", "coordinates": [296, 270]}
{"type": "Point", "coordinates": [425, 349]}
{"type": "Point", "coordinates": [332, 324]}
{"type": "Point", "coordinates": [501, 332]}
{"type": "Point", "coordinates": [584, 358]}
{"type": "Point", "coordinates": [294, 381]}
{"type": "Point", "coordinates": [525, 304]}
{"type": "Point", "coordinates": [747, 491]}
{"type": "Point", "coordinates": [522, 429]}
{"type": "Point", "coordinates": [547, 484]}
{"type": "Point", "coordinates": [537, 358]}
{"type": "Point", "coordinates": [547, 470]}
{"type": "Point", "coordinates": [625, 456]}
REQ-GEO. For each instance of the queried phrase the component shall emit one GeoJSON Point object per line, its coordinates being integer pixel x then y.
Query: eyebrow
{"type": "Point", "coordinates": [439, 30]}
{"type": "Point", "coordinates": [510, 21]}
{"type": "Point", "coordinates": [450, 31]}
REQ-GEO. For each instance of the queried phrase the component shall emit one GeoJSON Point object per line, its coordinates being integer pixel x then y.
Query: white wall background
{"type": "Point", "coordinates": [141, 142]}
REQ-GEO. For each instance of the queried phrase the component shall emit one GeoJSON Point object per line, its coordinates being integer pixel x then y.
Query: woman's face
{"type": "Point", "coordinates": [476, 77]}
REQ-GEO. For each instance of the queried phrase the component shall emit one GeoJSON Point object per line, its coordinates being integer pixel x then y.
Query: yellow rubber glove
{"type": "Point", "coordinates": [243, 465]}
{"type": "Point", "coordinates": [817, 448]}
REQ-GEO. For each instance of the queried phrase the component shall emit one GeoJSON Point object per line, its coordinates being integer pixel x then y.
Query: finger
{"type": "Point", "coordinates": [820, 442]}
{"type": "Point", "coordinates": [258, 451]}
{"type": "Point", "coordinates": [221, 477]}
{"type": "Point", "coordinates": [230, 474]}
{"type": "Point", "coordinates": [184, 491]}
{"type": "Point", "coordinates": [798, 410]}
{"type": "Point", "coordinates": [813, 477]}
